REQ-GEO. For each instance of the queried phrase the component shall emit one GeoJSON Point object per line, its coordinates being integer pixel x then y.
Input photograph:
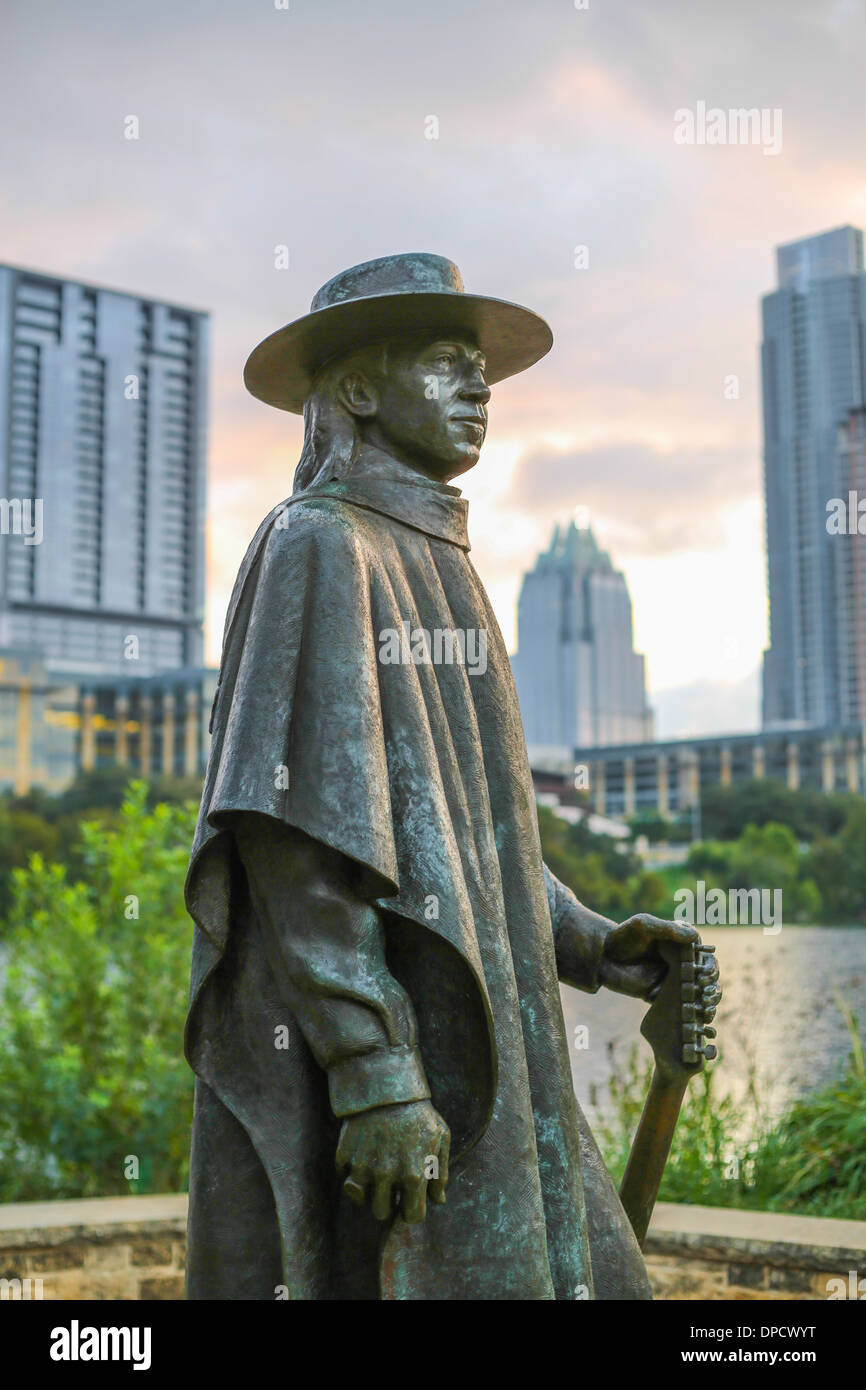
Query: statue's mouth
{"type": "Point", "coordinates": [472, 420]}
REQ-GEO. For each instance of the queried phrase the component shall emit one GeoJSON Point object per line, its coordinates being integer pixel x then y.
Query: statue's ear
{"type": "Point", "coordinates": [357, 394]}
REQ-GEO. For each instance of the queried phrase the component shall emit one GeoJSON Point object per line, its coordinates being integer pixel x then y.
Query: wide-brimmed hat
{"type": "Point", "coordinates": [389, 298]}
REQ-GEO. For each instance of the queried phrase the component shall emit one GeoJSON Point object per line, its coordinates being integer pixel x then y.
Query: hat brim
{"type": "Point", "coordinates": [280, 370]}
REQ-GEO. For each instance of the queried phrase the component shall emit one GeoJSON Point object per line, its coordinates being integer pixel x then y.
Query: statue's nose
{"type": "Point", "coordinates": [476, 389]}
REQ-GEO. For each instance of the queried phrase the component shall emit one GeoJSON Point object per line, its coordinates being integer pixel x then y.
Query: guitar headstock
{"type": "Point", "coordinates": [679, 1019]}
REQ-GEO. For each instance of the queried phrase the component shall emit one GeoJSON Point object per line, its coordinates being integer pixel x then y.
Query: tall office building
{"type": "Point", "coordinates": [102, 476]}
{"type": "Point", "coordinates": [579, 679]}
{"type": "Point", "coordinates": [814, 376]}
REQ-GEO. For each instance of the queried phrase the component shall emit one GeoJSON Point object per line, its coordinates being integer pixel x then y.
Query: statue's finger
{"type": "Point", "coordinates": [413, 1204]}
{"type": "Point", "coordinates": [355, 1191]}
{"type": "Point", "coordinates": [661, 929]}
{"type": "Point", "coordinates": [382, 1204]}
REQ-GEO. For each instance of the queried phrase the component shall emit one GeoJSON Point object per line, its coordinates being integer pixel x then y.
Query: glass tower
{"type": "Point", "coordinates": [579, 680]}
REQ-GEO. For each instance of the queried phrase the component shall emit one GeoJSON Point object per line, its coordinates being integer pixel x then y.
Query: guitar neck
{"type": "Point", "coordinates": [674, 1026]}
{"type": "Point", "coordinates": [650, 1149]}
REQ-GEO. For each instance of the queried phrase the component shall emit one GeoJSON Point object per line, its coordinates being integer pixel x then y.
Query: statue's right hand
{"type": "Point", "coordinates": [393, 1152]}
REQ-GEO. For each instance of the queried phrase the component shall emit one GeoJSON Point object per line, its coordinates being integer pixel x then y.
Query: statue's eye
{"type": "Point", "coordinates": [445, 359]}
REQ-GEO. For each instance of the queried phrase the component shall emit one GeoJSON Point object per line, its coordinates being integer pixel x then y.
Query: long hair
{"type": "Point", "coordinates": [332, 434]}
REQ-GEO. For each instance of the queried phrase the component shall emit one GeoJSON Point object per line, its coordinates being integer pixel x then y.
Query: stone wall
{"type": "Point", "coordinates": [133, 1248]}
{"type": "Point", "coordinates": [717, 1253]}
{"type": "Point", "coordinates": [107, 1247]}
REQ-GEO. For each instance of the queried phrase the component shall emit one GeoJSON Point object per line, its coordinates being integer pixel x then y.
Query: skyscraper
{"type": "Point", "coordinates": [102, 474]}
{"type": "Point", "coordinates": [814, 375]}
{"type": "Point", "coordinates": [579, 679]}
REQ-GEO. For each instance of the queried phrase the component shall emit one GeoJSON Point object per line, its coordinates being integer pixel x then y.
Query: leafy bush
{"type": "Point", "coordinates": [91, 1013]}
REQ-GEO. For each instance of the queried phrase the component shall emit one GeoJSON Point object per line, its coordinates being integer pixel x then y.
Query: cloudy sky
{"type": "Point", "coordinates": [307, 127]}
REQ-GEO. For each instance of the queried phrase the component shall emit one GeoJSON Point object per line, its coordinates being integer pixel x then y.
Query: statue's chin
{"type": "Point", "coordinates": [461, 465]}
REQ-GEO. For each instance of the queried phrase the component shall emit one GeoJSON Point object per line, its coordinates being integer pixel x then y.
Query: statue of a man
{"type": "Point", "coordinates": [384, 1105]}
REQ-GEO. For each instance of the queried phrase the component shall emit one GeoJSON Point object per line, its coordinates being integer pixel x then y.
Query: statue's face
{"type": "Point", "coordinates": [430, 408]}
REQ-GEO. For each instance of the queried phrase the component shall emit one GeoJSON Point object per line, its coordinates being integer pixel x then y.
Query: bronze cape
{"type": "Point", "coordinates": [417, 771]}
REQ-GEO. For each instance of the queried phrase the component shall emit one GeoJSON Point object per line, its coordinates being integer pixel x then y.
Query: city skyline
{"type": "Point", "coordinates": [555, 179]}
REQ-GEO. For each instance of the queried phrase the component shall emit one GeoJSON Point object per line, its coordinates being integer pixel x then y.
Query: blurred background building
{"type": "Point", "coordinates": [814, 376]}
{"type": "Point", "coordinates": [103, 425]}
{"type": "Point", "coordinates": [671, 775]}
{"type": "Point", "coordinates": [579, 679]}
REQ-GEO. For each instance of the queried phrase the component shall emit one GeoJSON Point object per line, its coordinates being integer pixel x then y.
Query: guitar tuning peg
{"type": "Point", "coordinates": [708, 1032]}
{"type": "Point", "coordinates": [710, 1052]}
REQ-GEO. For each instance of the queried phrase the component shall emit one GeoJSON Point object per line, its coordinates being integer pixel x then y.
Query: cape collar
{"type": "Point", "coordinates": [382, 484]}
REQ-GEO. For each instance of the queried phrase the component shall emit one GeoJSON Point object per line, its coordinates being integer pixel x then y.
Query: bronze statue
{"type": "Point", "coordinates": [384, 1106]}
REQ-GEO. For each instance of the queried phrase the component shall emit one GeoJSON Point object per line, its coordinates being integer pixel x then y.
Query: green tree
{"type": "Point", "coordinates": [838, 867]}
{"type": "Point", "coordinates": [608, 879]}
{"type": "Point", "coordinates": [809, 813]}
{"type": "Point", "coordinates": [92, 1072]}
{"type": "Point", "coordinates": [659, 829]}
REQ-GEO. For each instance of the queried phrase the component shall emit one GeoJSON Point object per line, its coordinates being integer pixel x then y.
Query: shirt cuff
{"type": "Point", "coordinates": [377, 1078]}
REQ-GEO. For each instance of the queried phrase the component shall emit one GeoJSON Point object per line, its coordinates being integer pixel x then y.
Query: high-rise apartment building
{"type": "Point", "coordinates": [814, 376]}
{"type": "Point", "coordinates": [579, 679]}
{"type": "Point", "coordinates": [102, 477]}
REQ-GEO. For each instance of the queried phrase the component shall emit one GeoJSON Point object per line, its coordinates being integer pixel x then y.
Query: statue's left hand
{"type": "Point", "coordinates": [631, 961]}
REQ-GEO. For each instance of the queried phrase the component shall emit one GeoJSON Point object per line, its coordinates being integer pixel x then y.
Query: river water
{"type": "Point", "coordinates": [778, 1019]}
